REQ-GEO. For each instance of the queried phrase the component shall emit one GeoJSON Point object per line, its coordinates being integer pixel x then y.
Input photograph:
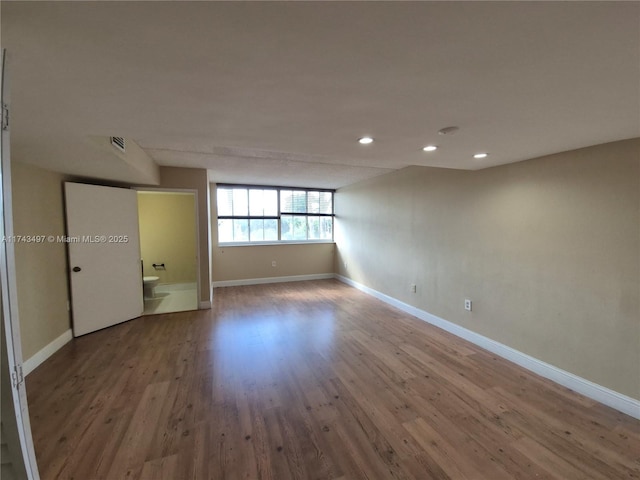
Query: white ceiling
{"type": "Point", "coordinates": [278, 93]}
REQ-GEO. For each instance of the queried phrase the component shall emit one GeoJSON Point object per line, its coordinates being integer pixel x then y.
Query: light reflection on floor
{"type": "Point", "coordinates": [256, 343]}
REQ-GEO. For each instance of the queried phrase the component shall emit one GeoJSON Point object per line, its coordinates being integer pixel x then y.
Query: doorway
{"type": "Point", "coordinates": [169, 250]}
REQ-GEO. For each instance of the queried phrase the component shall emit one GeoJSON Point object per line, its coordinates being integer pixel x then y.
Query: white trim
{"type": "Point", "coordinates": [34, 362]}
{"type": "Point", "coordinates": [256, 281]}
{"type": "Point", "coordinates": [272, 243]}
{"type": "Point", "coordinates": [604, 395]}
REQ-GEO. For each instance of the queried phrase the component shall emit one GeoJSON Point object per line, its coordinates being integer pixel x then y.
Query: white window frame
{"type": "Point", "coordinates": [277, 217]}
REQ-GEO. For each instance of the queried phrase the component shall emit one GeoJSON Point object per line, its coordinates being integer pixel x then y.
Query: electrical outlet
{"type": "Point", "coordinates": [413, 288]}
{"type": "Point", "coordinates": [273, 263]}
{"type": "Point", "coordinates": [467, 304]}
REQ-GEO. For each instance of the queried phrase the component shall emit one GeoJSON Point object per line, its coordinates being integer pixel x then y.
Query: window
{"type": "Point", "coordinates": [248, 214]}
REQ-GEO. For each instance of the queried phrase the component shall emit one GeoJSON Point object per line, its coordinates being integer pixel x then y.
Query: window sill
{"type": "Point", "coordinates": [262, 244]}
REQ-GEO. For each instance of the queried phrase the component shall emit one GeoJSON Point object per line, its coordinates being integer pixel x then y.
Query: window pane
{"type": "Point", "coordinates": [263, 203]}
{"type": "Point", "coordinates": [326, 203]}
{"type": "Point", "coordinates": [286, 227]}
{"type": "Point", "coordinates": [294, 227]}
{"type": "Point", "coordinates": [299, 228]}
{"type": "Point", "coordinates": [271, 230]}
{"type": "Point", "coordinates": [313, 202]}
{"type": "Point", "coordinates": [293, 201]}
{"type": "Point", "coordinates": [240, 202]}
{"type": "Point", "coordinates": [256, 230]}
{"type": "Point", "coordinates": [270, 203]}
{"type": "Point", "coordinates": [225, 230]}
{"type": "Point", "coordinates": [314, 228]}
{"type": "Point", "coordinates": [256, 203]}
{"type": "Point", "coordinates": [225, 201]}
{"type": "Point", "coordinates": [240, 230]}
{"type": "Point", "coordinates": [299, 201]}
{"type": "Point", "coordinates": [326, 228]}
{"type": "Point", "coordinates": [286, 201]}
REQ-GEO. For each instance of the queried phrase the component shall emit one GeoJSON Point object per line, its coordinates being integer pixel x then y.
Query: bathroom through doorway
{"type": "Point", "coordinates": [169, 250]}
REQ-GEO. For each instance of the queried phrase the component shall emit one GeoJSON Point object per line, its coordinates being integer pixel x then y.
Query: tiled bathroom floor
{"type": "Point", "coordinates": [172, 298]}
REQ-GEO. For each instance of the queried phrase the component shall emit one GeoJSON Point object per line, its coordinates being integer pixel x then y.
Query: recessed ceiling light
{"type": "Point", "coordinates": [365, 140]}
{"type": "Point", "coordinates": [430, 148]}
{"type": "Point", "coordinates": [481, 155]}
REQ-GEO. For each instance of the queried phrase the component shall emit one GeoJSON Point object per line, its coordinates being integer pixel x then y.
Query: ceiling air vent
{"type": "Point", "coordinates": [118, 142]}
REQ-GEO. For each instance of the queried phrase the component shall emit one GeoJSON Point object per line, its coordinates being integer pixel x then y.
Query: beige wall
{"type": "Point", "coordinates": [249, 262]}
{"type": "Point", "coordinates": [168, 235]}
{"type": "Point", "coordinates": [41, 269]}
{"type": "Point", "coordinates": [254, 261]}
{"type": "Point", "coordinates": [548, 250]}
{"type": "Point", "coordinates": [195, 179]}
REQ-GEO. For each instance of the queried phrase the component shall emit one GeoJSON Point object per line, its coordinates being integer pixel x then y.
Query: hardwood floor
{"type": "Point", "coordinates": [310, 380]}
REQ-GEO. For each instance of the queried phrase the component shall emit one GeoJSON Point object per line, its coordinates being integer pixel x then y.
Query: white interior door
{"type": "Point", "coordinates": [104, 256]}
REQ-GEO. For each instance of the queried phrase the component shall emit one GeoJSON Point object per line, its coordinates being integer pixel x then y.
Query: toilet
{"type": "Point", "coordinates": [149, 286]}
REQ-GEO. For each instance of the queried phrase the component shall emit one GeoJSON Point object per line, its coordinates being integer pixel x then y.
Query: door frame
{"type": "Point", "coordinates": [21, 443]}
{"type": "Point", "coordinates": [194, 192]}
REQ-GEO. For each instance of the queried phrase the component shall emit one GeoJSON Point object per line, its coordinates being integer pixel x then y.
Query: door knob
{"type": "Point", "coordinates": [76, 269]}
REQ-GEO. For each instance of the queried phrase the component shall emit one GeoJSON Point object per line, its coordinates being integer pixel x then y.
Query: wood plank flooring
{"type": "Point", "coordinates": [310, 380]}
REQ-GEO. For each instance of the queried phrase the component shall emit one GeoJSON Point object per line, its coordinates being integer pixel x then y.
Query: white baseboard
{"type": "Point", "coordinates": [604, 395]}
{"type": "Point", "coordinates": [32, 363]}
{"type": "Point", "coordinates": [256, 281]}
